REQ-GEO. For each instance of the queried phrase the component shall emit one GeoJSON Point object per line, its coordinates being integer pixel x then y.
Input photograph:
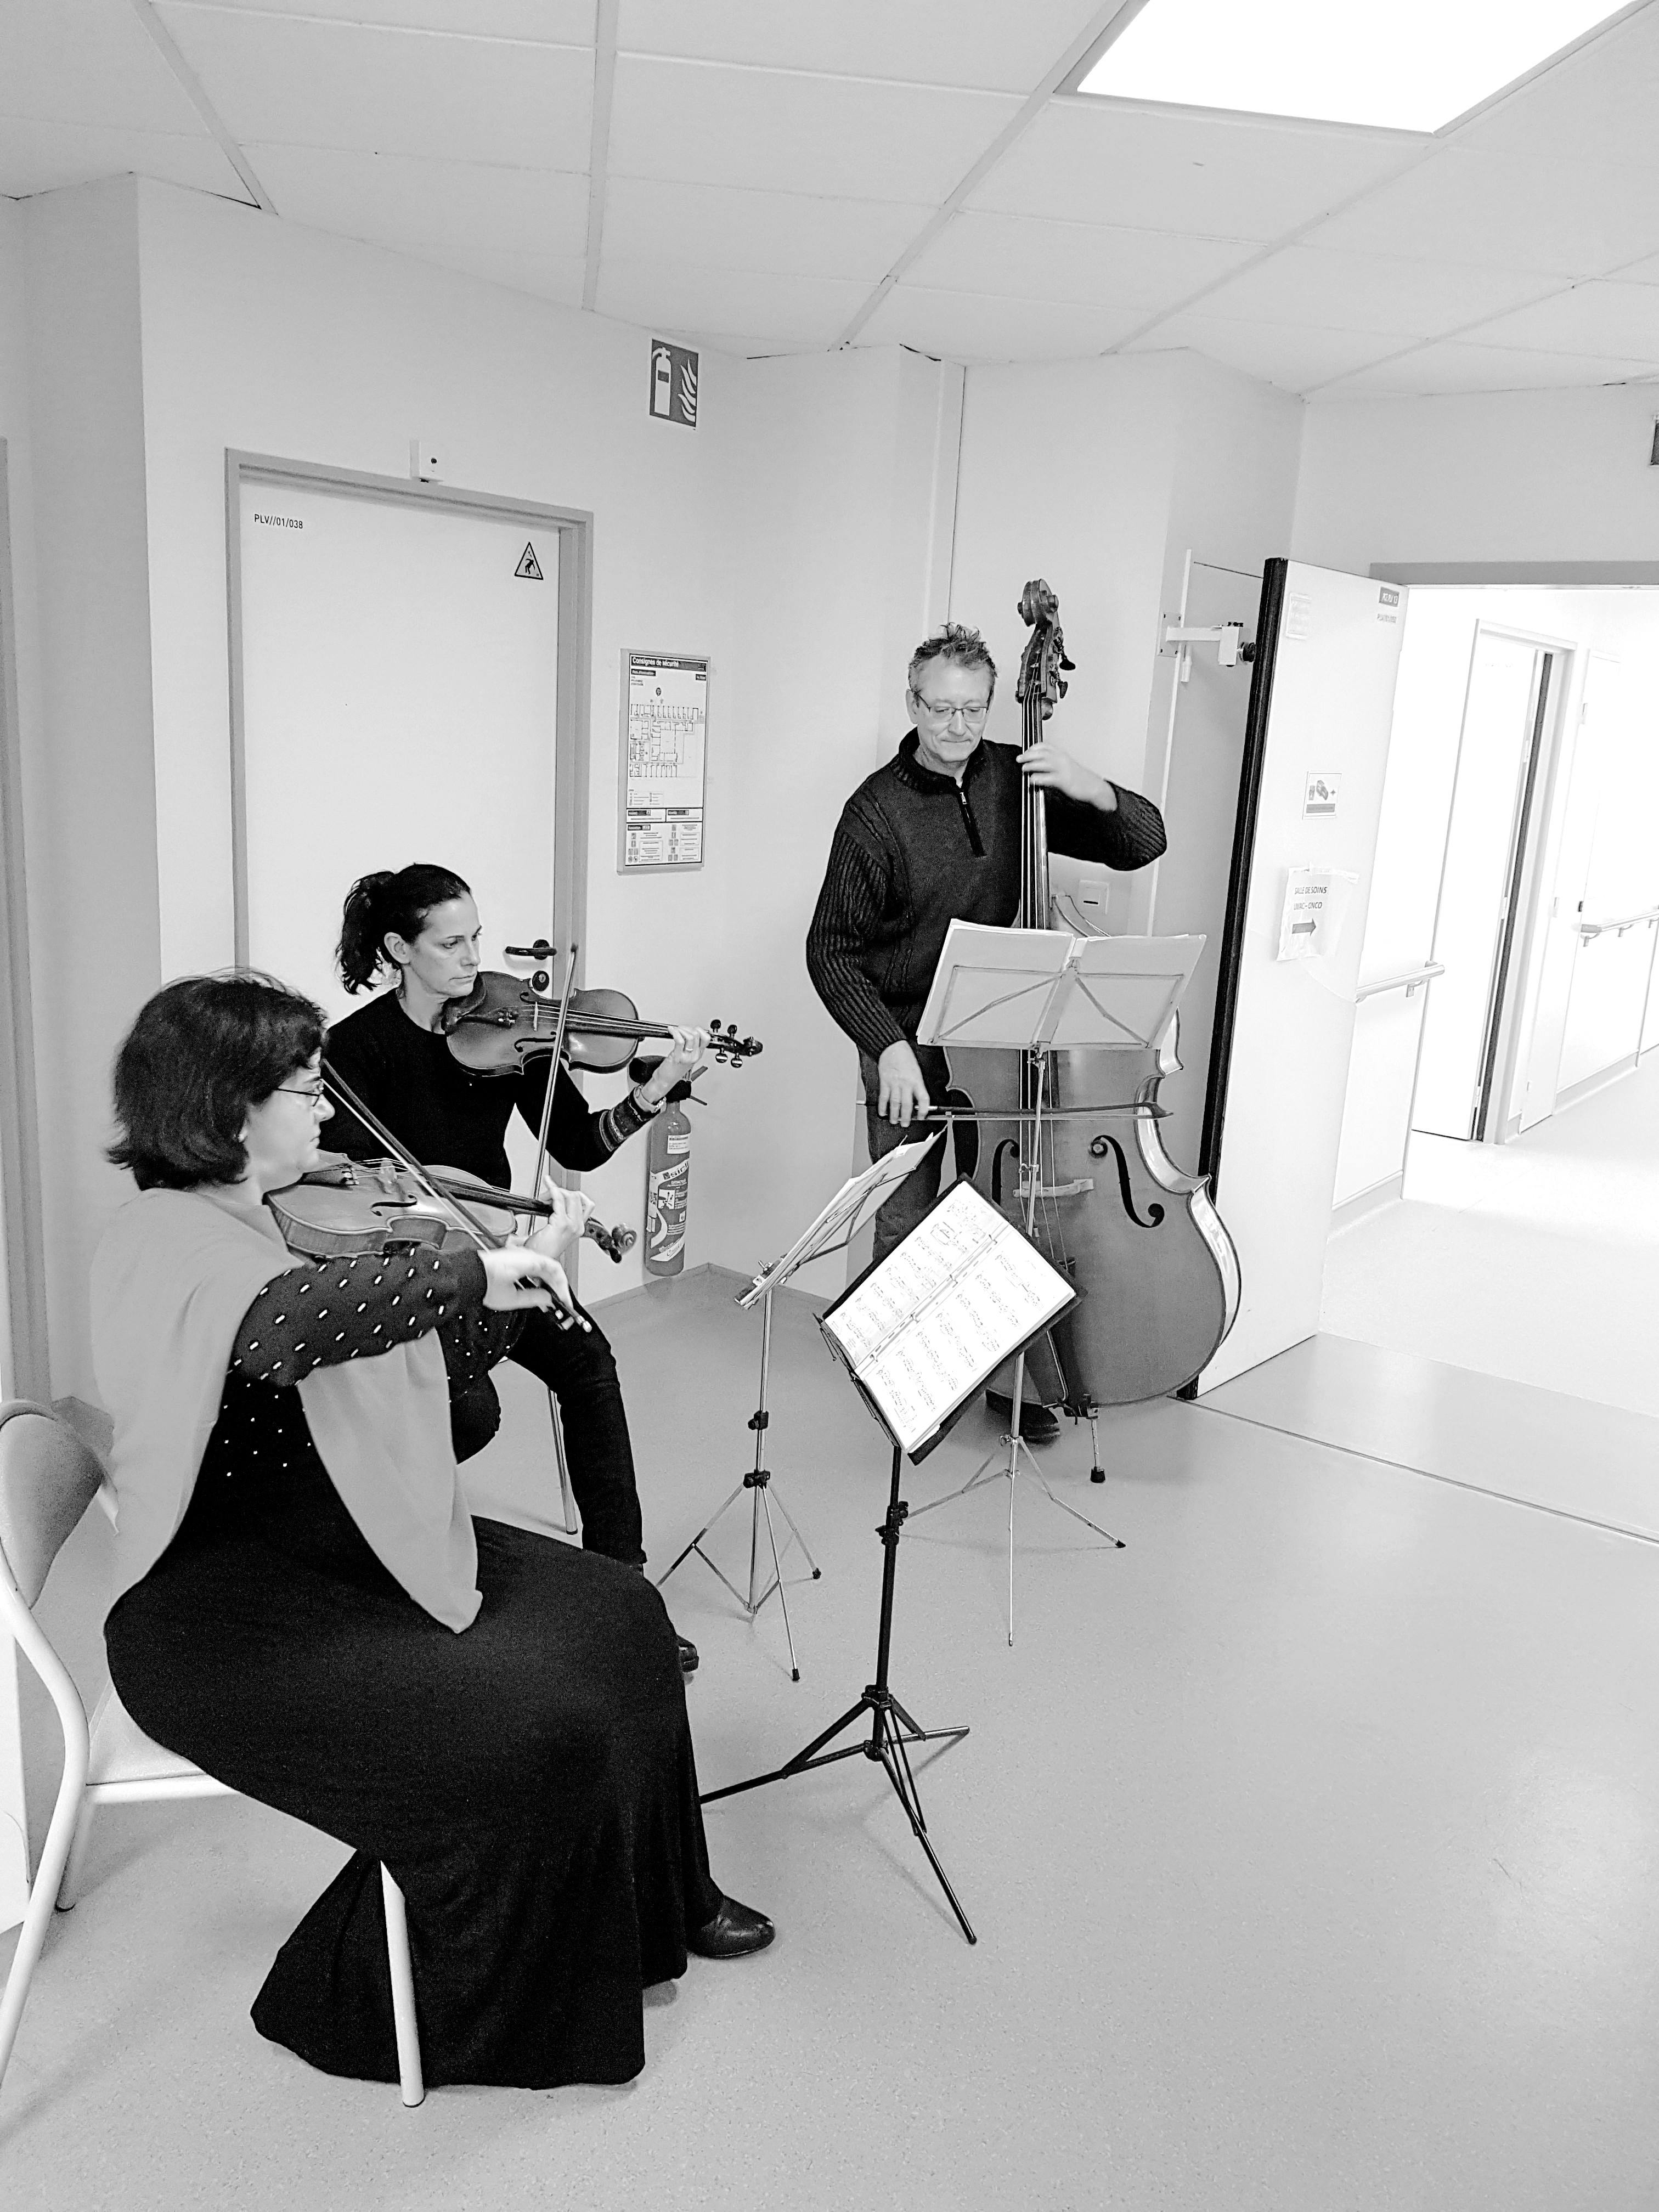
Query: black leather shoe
{"type": "Point", "coordinates": [1037, 1424]}
{"type": "Point", "coordinates": [733, 1933]}
{"type": "Point", "coordinates": [688, 1654]}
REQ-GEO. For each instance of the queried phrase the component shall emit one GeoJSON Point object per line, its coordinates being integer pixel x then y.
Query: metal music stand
{"type": "Point", "coordinates": [882, 1374]}
{"type": "Point", "coordinates": [829, 1230]}
{"type": "Point", "coordinates": [1039, 991]}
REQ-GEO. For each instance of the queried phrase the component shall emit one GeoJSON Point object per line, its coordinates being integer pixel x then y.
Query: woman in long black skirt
{"type": "Point", "coordinates": [307, 1609]}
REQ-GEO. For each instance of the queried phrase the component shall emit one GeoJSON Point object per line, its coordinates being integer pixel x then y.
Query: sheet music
{"type": "Point", "coordinates": [1008, 988]}
{"type": "Point", "coordinates": [940, 1314]}
{"type": "Point", "coordinates": [860, 1196]}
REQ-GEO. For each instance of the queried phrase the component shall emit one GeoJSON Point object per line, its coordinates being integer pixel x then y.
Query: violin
{"type": "Point", "coordinates": [333, 1211]}
{"type": "Point", "coordinates": [505, 1021]}
{"type": "Point", "coordinates": [1157, 1274]}
{"type": "Point", "coordinates": [341, 1220]}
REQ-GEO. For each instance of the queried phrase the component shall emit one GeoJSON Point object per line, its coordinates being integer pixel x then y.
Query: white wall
{"type": "Point", "coordinates": [1100, 475]}
{"type": "Point", "coordinates": [800, 536]}
{"type": "Point", "coordinates": [1512, 476]}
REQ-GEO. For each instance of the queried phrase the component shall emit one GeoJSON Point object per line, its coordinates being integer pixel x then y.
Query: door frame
{"type": "Point", "coordinates": [573, 665]}
{"type": "Point", "coordinates": [1505, 1021]}
{"type": "Point", "coordinates": [29, 1362]}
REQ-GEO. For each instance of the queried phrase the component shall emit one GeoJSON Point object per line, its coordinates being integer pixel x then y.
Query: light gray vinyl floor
{"type": "Point", "coordinates": [1310, 1839]}
{"type": "Point", "coordinates": [1537, 1260]}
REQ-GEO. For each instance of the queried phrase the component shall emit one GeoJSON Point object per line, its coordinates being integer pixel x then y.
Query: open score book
{"type": "Point", "coordinates": [927, 1327]}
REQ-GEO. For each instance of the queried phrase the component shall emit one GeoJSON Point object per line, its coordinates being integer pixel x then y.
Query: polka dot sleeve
{"type": "Point", "coordinates": [328, 1311]}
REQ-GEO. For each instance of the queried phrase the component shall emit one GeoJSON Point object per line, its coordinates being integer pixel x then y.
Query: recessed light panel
{"type": "Point", "coordinates": [1411, 66]}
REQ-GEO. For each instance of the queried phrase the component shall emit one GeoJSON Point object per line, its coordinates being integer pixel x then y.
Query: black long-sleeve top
{"type": "Point", "coordinates": [912, 852]}
{"type": "Point", "coordinates": [448, 1116]}
{"type": "Point", "coordinates": [321, 1314]}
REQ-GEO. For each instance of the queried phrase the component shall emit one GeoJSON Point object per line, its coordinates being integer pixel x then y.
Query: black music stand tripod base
{"type": "Point", "coordinates": [892, 1729]}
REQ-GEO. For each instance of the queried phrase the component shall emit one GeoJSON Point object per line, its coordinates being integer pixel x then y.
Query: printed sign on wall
{"type": "Point", "coordinates": [674, 383]}
{"type": "Point", "coordinates": [663, 737]}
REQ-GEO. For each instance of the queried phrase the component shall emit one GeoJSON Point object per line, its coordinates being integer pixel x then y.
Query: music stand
{"type": "Point", "coordinates": [859, 1197]}
{"type": "Point", "coordinates": [1038, 991]}
{"type": "Point", "coordinates": [920, 1333]}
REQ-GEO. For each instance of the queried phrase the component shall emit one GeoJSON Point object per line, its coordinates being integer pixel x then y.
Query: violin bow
{"type": "Point", "coordinates": [399, 1151]}
{"type": "Point", "coordinates": [553, 1069]}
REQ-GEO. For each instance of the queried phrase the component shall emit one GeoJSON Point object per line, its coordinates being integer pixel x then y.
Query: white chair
{"type": "Point", "coordinates": [48, 1477]}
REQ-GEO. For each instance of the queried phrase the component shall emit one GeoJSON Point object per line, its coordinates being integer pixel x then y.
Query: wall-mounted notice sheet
{"type": "Point", "coordinates": [663, 737]}
{"type": "Point", "coordinates": [928, 1327]}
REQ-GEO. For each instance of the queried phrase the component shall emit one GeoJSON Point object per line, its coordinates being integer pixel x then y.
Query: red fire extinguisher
{"type": "Point", "coordinates": [667, 1173]}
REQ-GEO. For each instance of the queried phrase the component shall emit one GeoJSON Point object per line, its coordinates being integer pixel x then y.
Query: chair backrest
{"type": "Point", "coordinates": [48, 1477]}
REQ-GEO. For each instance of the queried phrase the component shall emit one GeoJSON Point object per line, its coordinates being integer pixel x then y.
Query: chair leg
{"type": "Point", "coordinates": [49, 1873]}
{"type": "Point", "coordinates": [567, 1499]}
{"type": "Point", "coordinates": [68, 1890]}
{"type": "Point", "coordinates": [403, 1992]}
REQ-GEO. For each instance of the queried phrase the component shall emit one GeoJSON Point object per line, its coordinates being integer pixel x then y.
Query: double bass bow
{"type": "Point", "coordinates": [1141, 1243]}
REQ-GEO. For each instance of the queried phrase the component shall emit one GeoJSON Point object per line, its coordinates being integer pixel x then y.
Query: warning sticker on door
{"type": "Point", "coordinates": [529, 567]}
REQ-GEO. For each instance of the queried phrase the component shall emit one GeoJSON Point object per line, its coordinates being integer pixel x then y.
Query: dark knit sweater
{"type": "Point", "coordinates": [914, 851]}
{"type": "Point", "coordinates": [449, 1117]}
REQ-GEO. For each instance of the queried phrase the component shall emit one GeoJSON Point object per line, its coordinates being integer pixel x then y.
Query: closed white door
{"type": "Point", "coordinates": [399, 678]}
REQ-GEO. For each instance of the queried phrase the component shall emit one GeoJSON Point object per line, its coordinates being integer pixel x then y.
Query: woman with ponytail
{"type": "Point", "coordinates": [418, 929]}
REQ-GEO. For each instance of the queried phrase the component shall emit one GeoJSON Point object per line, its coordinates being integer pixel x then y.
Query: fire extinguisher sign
{"type": "Point", "coordinates": [673, 383]}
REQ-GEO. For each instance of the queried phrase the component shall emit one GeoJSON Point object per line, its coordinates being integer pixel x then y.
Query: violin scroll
{"type": "Point", "coordinates": [727, 1047]}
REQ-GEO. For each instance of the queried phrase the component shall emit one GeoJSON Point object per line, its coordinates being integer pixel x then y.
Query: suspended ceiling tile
{"type": "Point", "coordinates": [1145, 168]}
{"type": "Point", "coordinates": [1091, 263]}
{"type": "Point", "coordinates": [721, 227]}
{"type": "Point", "coordinates": [308, 83]}
{"type": "Point", "coordinates": [1564, 218]}
{"type": "Point", "coordinates": [440, 208]}
{"type": "Point", "coordinates": [1294, 357]}
{"type": "Point", "coordinates": [1455, 366]}
{"type": "Point", "coordinates": [1372, 292]}
{"type": "Point", "coordinates": [975, 326]}
{"type": "Point", "coordinates": [88, 62]}
{"type": "Point", "coordinates": [1620, 320]}
{"type": "Point", "coordinates": [545, 22]}
{"type": "Point", "coordinates": [40, 157]}
{"type": "Point", "coordinates": [770, 132]}
{"type": "Point", "coordinates": [961, 42]}
{"type": "Point", "coordinates": [767, 308]}
{"type": "Point", "coordinates": [1599, 104]}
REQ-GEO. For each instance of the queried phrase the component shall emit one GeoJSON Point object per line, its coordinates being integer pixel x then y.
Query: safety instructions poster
{"type": "Point", "coordinates": [664, 738]}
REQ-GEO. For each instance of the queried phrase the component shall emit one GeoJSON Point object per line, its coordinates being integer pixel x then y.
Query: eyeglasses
{"type": "Point", "coordinates": [936, 711]}
{"type": "Point", "coordinates": [314, 1091]}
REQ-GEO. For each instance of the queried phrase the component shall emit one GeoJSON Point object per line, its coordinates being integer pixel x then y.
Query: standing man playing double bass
{"type": "Point", "coordinates": [934, 836]}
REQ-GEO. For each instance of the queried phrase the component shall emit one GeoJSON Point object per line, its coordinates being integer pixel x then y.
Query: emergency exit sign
{"type": "Point", "coordinates": [673, 383]}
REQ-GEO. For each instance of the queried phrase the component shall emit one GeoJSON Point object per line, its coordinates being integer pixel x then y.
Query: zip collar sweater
{"type": "Point", "coordinates": [912, 852]}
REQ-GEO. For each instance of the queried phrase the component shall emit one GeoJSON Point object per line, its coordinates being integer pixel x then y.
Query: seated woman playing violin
{"type": "Point", "coordinates": [420, 927]}
{"type": "Point", "coordinates": [306, 1607]}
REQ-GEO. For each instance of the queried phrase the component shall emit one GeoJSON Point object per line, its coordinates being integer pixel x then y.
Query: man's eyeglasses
{"type": "Point", "coordinates": [314, 1091]}
{"type": "Point", "coordinates": [938, 711]}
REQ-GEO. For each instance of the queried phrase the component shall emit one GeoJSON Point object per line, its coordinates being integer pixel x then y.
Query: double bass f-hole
{"type": "Point", "coordinates": [1099, 1150]}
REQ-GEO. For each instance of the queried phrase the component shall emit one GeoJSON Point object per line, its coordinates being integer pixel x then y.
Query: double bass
{"type": "Point", "coordinates": [1140, 1241]}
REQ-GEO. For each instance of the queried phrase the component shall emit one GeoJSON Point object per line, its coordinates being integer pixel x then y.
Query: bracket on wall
{"type": "Point", "coordinates": [1230, 642]}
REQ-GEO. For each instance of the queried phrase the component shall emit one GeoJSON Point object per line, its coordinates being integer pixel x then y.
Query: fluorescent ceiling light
{"type": "Point", "coordinates": [1412, 65]}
